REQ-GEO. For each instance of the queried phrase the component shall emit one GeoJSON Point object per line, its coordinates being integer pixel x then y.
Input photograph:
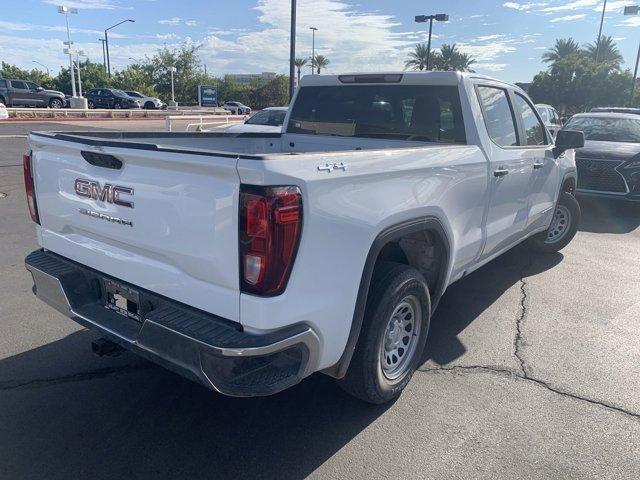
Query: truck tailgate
{"type": "Point", "coordinates": [178, 239]}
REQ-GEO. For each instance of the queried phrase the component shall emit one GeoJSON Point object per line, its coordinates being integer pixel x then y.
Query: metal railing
{"type": "Point", "coordinates": [226, 120]}
{"type": "Point", "coordinates": [71, 113]}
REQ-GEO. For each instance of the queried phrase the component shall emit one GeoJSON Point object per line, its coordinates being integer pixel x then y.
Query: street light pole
{"type": "Point", "coordinates": [42, 65]}
{"type": "Point", "coordinates": [313, 48]}
{"type": "Point", "coordinates": [79, 54]}
{"type": "Point", "coordinates": [292, 50]}
{"type": "Point", "coordinates": [66, 11]}
{"type": "Point", "coordinates": [633, 10]}
{"type": "Point", "coordinates": [106, 42]}
{"type": "Point", "coordinates": [604, 9]}
{"type": "Point", "coordinates": [173, 93]}
{"type": "Point", "coordinates": [104, 55]}
{"type": "Point", "coordinates": [440, 17]}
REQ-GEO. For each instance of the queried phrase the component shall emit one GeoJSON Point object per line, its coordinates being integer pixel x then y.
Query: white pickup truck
{"type": "Point", "coordinates": [250, 261]}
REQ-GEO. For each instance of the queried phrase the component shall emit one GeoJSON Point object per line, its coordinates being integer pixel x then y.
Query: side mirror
{"type": "Point", "coordinates": [566, 140]}
{"type": "Point", "coordinates": [39, 89]}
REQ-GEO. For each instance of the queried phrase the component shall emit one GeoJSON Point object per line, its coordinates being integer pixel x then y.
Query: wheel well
{"type": "Point", "coordinates": [569, 185]}
{"type": "Point", "coordinates": [149, 104]}
{"type": "Point", "coordinates": [422, 250]}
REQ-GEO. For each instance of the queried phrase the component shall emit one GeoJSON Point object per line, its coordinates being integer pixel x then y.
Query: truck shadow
{"type": "Point", "coordinates": [608, 216]}
{"type": "Point", "coordinates": [465, 300]}
{"type": "Point", "coordinates": [132, 419]}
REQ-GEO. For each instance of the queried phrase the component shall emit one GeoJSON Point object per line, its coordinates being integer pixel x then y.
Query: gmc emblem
{"type": "Point", "coordinates": [108, 193]}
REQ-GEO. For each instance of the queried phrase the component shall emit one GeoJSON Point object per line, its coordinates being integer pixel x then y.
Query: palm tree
{"type": "Point", "coordinates": [563, 48]}
{"type": "Point", "coordinates": [451, 59]}
{"type": "Point", "coordinates": [417, 60]}
{"type": "Point", "coordinates": [321, 62]}
{"type": "Point", "coordinates": [299, 63]}
{"type": "Point", "coordinates": [605, 51]}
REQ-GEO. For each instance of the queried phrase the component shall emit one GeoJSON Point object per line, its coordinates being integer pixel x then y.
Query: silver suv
{"type": "Point", "coordinates": [23, 93]}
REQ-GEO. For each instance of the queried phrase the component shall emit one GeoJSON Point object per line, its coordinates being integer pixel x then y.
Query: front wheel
{"type": "Point", "coordinates": [393, 334]}
{"type": "Point", "coordinates": [56, 103]}
{"type": "Point", "coordinates": [90, 104]}
{"type": "Point", "coordinates": [564, 225]}
{"type": "Point", "coordinates": [117, 106]}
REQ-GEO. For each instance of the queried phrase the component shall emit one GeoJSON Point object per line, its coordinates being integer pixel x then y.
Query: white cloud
{"type": "Point", "coordinates": [523, 6]}
{"type": "Point", "coordinates": [170, 21]}
{"type": "Point", "coordinates": [568, 18]}
{"type": "Point", "coordinates": [167, 36]}
{"type": "Point", "coordinates": [85, 4]}
{"type": "Point", "coordinates": [190, 23]}
{"type": "Point", "coordinates": [573, 5]}
{"type": "Point", "coordinates": [29, 27]}
{"type": "Point", "coordinates": [491, 67]}
{"type": "Point", "coordinates": [630, 22]}
{"type": "Point", "coordinates": [488, 52]}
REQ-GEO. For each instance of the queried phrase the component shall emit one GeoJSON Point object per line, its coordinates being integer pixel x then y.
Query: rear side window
{"type": "Point", "coordinates": [498, 116]}
{"type": "Point", "coordinates": [533, 128]}
{"type": "Point", "coordinates": [17, 84]}
{"type": "Point", "coordinates": [3, 84]}
{"type": "Point", "coordinates": [400, 112]}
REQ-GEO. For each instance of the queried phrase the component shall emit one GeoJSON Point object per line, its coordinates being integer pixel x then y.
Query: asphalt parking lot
{"type": "Point", "coordinates": [532, 371]}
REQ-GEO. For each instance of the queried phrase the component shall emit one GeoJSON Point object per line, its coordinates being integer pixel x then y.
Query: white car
{"type": "Point", "coordinates": [147, 102]}
{"type": "Point", "coordinates": [236, 108]}
{"type": "Point", "coordinates": [268, 120]}
{"type": "Point", "coordinates": [550, 117]}
{"type": "Point", "coordinates": [3, 112]}
{"type": "Point", "coordinates": [251, 262]}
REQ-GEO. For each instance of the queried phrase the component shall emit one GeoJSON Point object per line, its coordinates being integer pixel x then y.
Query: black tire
{"type": "Point", "coordinates": [90, 104]}
{"type": "Point", "coordinates": [392, 283]}
{"type": "Point", "coordinates": [570, 208]}
{"type": "Point", "coordinates": [149, 106]}
{"type": "Point", "coordinates": [2, 100]}
{"type": "Point", "coordinates": [56, 103]}
{"type": "Point", "coordinates": [117, 106]}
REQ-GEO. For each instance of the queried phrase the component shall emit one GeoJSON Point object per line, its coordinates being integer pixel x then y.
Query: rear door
{"type": "Point", "coordinates": [172, 228]}
{"type": "Point", "coordinates": [510, 171]}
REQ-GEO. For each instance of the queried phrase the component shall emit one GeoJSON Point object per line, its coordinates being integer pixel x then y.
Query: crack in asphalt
{"type": "Point", "coordinates": [76, 377]}
{"type": "Point", "coordinates": [513, 373]}
{"type": "Point", "coordinates": [517, 341]}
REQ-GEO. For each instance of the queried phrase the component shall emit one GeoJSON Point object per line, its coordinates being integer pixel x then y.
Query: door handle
{"type": "Point", "coordinates": [538, 165]}
{"type": "Point", "coordinates": [501, 172]}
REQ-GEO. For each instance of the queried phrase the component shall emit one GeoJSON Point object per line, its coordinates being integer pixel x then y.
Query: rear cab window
{"type": "Point", "coordinates": [425, 113]}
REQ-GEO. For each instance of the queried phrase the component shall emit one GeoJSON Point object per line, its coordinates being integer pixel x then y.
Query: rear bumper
{"type": "Point", "coordinates": [200, 346]}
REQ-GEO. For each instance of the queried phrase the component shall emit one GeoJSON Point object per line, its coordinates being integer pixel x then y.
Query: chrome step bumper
{"type": "Point", "coordinates": [203, 347]}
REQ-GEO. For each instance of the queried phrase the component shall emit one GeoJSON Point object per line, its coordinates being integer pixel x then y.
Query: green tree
{"type": "Point", "coordinates": [450, 58]}
{"type": "Point", "coordinates": [321, 62]}
{"type": "Point", "coordinates": [417, 60]}
{"type": "Point", "coordinates": [605, 51]}
{"type": "Point", "coordinates": [92, 75]}
{"type": "Point", "coordinates": [135, 77]}
{"type": "Point", "coordinates": [34, 75]}
{"type": "Point", "coordinates": [563, 49]}
{"type": "Point", "coordinates": [299, 63]}
{"type": "Point", "coordinates": [188, 76]}
{"type": "Point", "coordinates": [275, 93]}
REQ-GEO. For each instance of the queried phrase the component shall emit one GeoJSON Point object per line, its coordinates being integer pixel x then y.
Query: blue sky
{"type": "Point", "coordinates": [241, 36]}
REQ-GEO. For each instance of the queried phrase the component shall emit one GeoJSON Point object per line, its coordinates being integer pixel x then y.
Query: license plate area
{"type": "Point", "coordinates": [122, 299]}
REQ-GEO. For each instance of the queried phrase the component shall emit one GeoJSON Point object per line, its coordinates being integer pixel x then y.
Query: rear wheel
{"type": "Point", "coordinates": [393, 334]}
{"type": "Point", "coordinates": [149, 106]}
{"type": "Point", "coordinates": [564, 225]}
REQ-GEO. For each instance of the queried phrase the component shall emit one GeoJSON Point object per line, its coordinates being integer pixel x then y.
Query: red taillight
{"type": "Point", "coordinates": [270, 225]}
{"type": "Point", "coordinates": [29, 187]}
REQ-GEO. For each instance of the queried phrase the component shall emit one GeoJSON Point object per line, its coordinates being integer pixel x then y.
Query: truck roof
{"type": "Point", "coordinates": [403, 78]}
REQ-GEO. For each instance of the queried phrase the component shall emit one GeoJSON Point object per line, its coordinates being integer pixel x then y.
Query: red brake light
{"type": "Point", "coordinates": [29, 187]}
{"type": "Point", "coordinates": [270, 225]}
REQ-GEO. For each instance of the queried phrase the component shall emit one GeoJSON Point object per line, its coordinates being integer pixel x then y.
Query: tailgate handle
{"type": "Point", "coordinates": [102, 160]}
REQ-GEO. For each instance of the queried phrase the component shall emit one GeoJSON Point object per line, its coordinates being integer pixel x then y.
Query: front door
{"type": "Point", "coordinates": [20, 94]}
{"type": "Point", "coordinates": [511, 172]}
{"type": "Point", "coordinates": [545, 179]}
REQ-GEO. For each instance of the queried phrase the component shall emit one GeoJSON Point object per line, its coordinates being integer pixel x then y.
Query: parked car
{"type": "Point", "coordinates": [267, 120]}
{"type": "Point", "coordinates": [23, 93]}
{"type": "Point", "coordinates": [635, 111]}
{"type": "Point", "coordinates": [250, 262]}
{"type": "Point", "coordinates": [3, 112]}
{"type": "Point", "coordinates": [609, 163]}
{"type": "Point", "coordinates": [550, 118]}
{"type": "Point", "coordinates": [110, 98]}
{"type": "Point", "coordinates": [236, 108]}
{"type": "Point", "coordinates": [147, 102]}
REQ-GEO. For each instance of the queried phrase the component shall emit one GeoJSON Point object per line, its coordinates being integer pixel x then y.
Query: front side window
{"type": "Point", "coordinates": [31, 86]}
{"type": "Point", "coordinates": [424, 113]}
{"type": "Point", "coordinates": [533, 128]}
{"type": "Point", "coordinates": [498, 117]}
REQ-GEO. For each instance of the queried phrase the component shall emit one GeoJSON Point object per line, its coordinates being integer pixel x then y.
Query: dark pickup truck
{"type": "Point", "coordinates": [23, 93]}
